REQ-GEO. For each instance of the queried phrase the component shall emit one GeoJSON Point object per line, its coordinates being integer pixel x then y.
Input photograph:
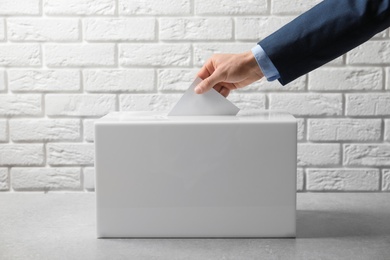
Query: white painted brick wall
{"type": "Point", "coordinates": [4, 185]}
{"type": "Point", "coordinates": [344, 129]}
{"type": "Point", "coordinates": [367, 154]}
{"type": "Point", "coordinates": [70, 154]}
{"type": "Point", "coordinates": [312, 154]}
{"type": "Point", "coordinates": [24, 55]}
{"type": "Point", "coordinates": [20, 7]}
{"type": "Point", "coordinates": [308, 104]}
{"type": "Point", "coordinates": [256, 28]}
{"type": "Point", "coordinates": [65, 63]}
{"type": "Point", "coordinates": [80, 55]}
{"type": "Point", "coordinates": [171, 80]}
{"type": "Point", "coordinates": [386, 179]}
{"type": "Point", "coordinates": [387, 130]}
{"type": "Point", "coordinates": [154, 54]}
{"type": "Point", "coordinates": [3, 130]}
{"type": "Point", "coordinates": [343, 179]}
{"type": "Point", "coordinates": [368, 104]}
{"type": "Point", "coordinates": [79, 104]}
{"type": "Point", "coordinates": [89, 178]}
{"type": "Point", "coordinates": [129, 80]}
{"type": "Point", "coordinates": [45, 179]}
{"type": "Point", "coordinates": [292, 7]}
{"type": "Point", "coordinates": [79, 7]}
{"type": "Point", "coordinates": [371, 52]}
{"type": "Point", "coordinates": [230, 7]}
{"type": "Point", "coordinates": [21, 154]}
{"type": "Point", "coordinates": [44, 130]}
{"type": "Point", "coordinates": [43, 29]}
{"type": "Point", "coordinates": [2, 81]}
{"type": "Point", "coordinates": [300, 179]}
{"type": "Point", "coordinates": [178, 28]}
{"type": "Point", "coordinates": [40, 80]}
{"type": "Point", "coordinates": [147, 102]}
{"type": "Point", "coordinates": [2, 29]}
{"type": "Point", "coordinates": [89, 132]}
{"type": "Point", "coordinates": [20, 105]}
{"type": "Point", "coordinates": [153, 7]}
{"type": "Point", "coordinates": [336, 79]}
{"type": "Point", "coordinates": [119, 29]}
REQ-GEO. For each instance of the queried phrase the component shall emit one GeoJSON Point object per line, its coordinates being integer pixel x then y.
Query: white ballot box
{"type": "Point", "coordinates": [196, 176]}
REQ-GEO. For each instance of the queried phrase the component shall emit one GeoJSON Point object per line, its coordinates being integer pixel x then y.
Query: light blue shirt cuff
{"type": "Point", "coordinates": [267, 67]}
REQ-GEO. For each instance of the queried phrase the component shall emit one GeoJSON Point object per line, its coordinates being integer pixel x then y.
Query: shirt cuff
{"type": "Point", "coordinates": [267, 67]}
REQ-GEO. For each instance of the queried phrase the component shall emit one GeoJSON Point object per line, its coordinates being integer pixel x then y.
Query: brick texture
{"type": "Point", "coordinates": [43, 80]}
{"type": "Point", "coordinates": [336, 79]}
{"type": "Point", "coordinates": [66, 63]}
{"type": "Point", "coordinates": [368, 104]}
{"type": "Point", "coordinates": [196, 28]}
{"type": "Point", "coordinates": [230, 7]}
{"type": "Point", "coordinates": [44, 130]}
{"type": "Point", "coordinates": [89, 178]}
{"type": "Point", "coordinates": [79, 7]}
{"type": "Point", "coordinates": [367, 154]}
{"type": "Point", "coordinates": [386, 180]}
{"type": "Point", "coordinates": [2, 30]}
{"type": "Point", "coordinates": [129, 80]}
{"type": "Point", "coordinates": [121, 29]}
{"type": "Point", "coordinates": [45, 179]}
{"type": "Point", "coordinates": [70, 154]}
{"type": "Point", "coordinates": [80, 55]}
{"type": "Point", "coordinates": [44, 30]}
{"type": "Point", "coordinates": [310, 154]}
{"type": "Point", "coordinates": [371, 52]}
{"type": "Point", "coordinates": [4, 181]}
{"type": "Point", "coordinates": [2, 81]}
{"type": "Point", "coordinates": [79, 105]}
{"type": "Point", "coordinates": [152, 7]}
{"type": "Point", "coordinates": [24, 55]}
{"type": "Point", "coordinates": [344, 129]}
{"type": "Point", "coordinates": [154, 54]}
{"type": "Point", "coordinates": [21, 154]}
{"type": "Point", "coordinates": [20, 7]}
{"type": "Point", "coordinates": [342, 179]}
{"type": "Point", "coordinates": [3, 130]}
{"type": "Point", "coordinates": [308, 104]}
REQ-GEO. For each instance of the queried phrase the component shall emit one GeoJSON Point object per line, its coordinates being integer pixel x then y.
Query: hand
{"type": "Point", "coordinates": [225, 72]}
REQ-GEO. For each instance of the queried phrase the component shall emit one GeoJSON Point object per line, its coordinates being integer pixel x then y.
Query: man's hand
{"type": "Point", "coordinates": [225, 72]}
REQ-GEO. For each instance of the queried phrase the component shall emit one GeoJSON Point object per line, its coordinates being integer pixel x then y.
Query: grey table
{"type": "Point", "coordinates": [62, 226]}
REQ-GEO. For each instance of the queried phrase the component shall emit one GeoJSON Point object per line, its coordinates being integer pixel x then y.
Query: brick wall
{"type": "Point", "coordinates": [65, 63]}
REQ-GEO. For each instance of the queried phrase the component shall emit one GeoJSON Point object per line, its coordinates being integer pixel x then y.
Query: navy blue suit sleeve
{"type": "Point", "coordinates": [323, 33]}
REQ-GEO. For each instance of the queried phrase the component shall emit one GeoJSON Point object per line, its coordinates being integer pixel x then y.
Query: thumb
{"type": "Point", "coordinates": [208, 83]}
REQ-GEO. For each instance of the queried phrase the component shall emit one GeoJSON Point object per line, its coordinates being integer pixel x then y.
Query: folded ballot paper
{"type": "Point", "coordinates": [210, 103]}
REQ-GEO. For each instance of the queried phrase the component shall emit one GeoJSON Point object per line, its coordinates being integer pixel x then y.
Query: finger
{"type": "Point", "coordinates": [218, 87]}
{"type": "Point", "coordinates": [225, 92]}
{"type": "Point", "coordinates": [206, 70]}
{"type": "Point", "coordinates": [209, 82]}
{"type": "Point", "coordinates": [230, 86]}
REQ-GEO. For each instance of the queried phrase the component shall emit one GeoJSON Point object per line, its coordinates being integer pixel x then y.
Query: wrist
{"type": "Point", "coordinates": [252, 64]}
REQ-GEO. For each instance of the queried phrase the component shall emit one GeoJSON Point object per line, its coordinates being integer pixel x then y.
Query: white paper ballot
{"type": "Point", "coordinates": [210, 103]}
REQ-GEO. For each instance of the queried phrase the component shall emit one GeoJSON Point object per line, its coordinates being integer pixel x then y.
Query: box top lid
{"type": "Point", "coordinates": [154, 116]}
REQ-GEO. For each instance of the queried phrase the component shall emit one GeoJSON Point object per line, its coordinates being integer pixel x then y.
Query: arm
{"type": "Point", "coordinates": [314, 38]}
{"type": "Point", "coordinates": [323, 33]}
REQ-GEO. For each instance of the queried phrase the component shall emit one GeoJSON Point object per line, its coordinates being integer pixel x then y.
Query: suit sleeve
{"type": "Point", "coordinates": [323, 33]}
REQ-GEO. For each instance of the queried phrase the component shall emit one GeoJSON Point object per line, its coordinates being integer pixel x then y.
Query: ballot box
{"type": "Point", "coordinates": [196, 176]}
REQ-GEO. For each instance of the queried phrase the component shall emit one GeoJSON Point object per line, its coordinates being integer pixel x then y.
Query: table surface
{"type": "Point", "coordinates": [62, 226]}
